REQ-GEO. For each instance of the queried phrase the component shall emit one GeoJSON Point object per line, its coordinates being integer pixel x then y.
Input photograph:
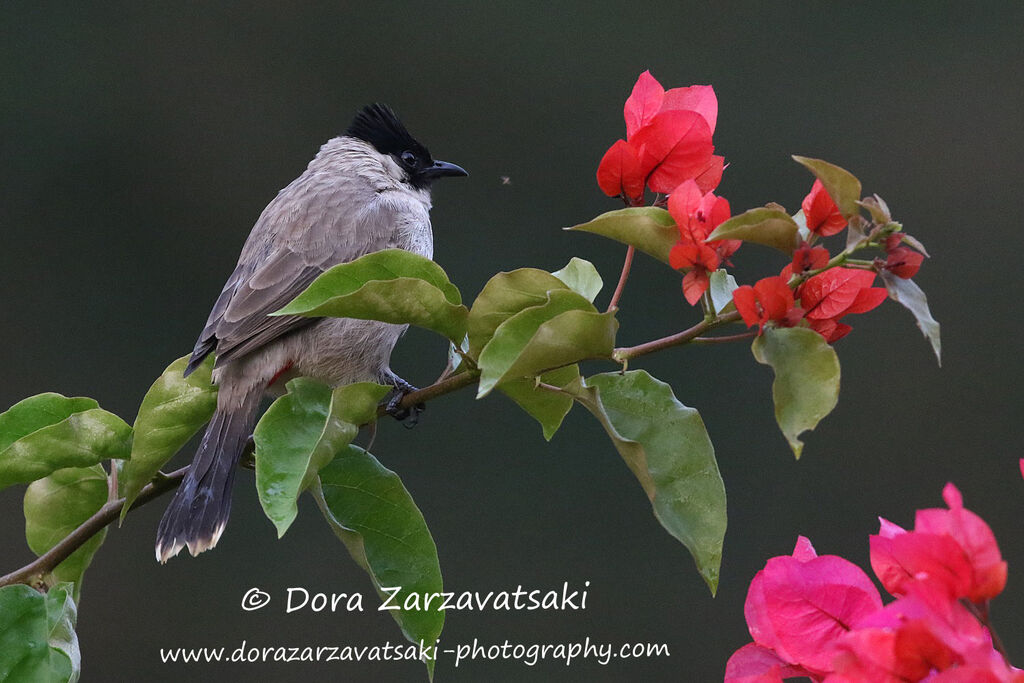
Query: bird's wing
{"type": "Point", "coordinates": [240, 320]}
{"type": "Point", "coordinates": [277, 264]}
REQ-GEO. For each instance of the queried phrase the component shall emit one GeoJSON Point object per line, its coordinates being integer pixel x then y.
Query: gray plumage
{"type": "Point", "coordinates": [358, 195]}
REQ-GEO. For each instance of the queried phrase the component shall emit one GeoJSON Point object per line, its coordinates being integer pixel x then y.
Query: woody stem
{"type": "Point", "coordinates": [626, 265]}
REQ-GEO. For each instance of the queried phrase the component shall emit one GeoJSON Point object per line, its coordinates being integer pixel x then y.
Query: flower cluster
{"type": "Point", "coordinates": [821, 617]}
{"type": "Point", "coordinates": [668, 149]}
{"type": "Point", "coordinates": [824, 293]}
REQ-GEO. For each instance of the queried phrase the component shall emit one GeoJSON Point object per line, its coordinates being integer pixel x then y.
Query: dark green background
{"type": "Point", "coordinates": [138, 144]}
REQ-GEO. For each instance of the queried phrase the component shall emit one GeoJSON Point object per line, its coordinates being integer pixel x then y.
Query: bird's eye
{"type": "Point", "coordinates": [408, 158]}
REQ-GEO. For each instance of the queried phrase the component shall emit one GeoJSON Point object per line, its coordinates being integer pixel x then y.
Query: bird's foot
{"type": "Point", "coordinates": [409, 417]}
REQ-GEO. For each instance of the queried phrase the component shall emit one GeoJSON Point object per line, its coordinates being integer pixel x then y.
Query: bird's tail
{"type": "Point", "coordinates": [200, 508]}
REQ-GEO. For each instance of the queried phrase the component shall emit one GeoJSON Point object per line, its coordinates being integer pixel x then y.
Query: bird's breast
{"type": "Point", "coordinates": [403, 220]}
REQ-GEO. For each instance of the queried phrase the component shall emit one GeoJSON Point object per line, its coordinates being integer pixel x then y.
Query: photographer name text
{"type": "Point", "coordinates": [297, 599]}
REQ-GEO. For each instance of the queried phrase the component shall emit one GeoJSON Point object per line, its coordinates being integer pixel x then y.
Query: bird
{"type": "Point", "coordinates": [366, 190]}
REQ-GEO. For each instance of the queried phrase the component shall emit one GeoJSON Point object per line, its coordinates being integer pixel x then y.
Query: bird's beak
{"type": "Point", "coordinates": [441, 169]}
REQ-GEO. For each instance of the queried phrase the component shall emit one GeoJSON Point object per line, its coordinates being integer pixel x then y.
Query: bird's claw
{"type": "Point", "coordinates": [409, 417]}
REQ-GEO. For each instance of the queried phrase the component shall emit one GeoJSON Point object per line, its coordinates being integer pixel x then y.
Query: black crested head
{"type": "Point", "coordinates": [380, 127]}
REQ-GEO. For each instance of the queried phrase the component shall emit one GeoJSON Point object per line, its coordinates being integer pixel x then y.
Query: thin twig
{"type": "Point", "coordinates": [624, 354]}
{"type": "Point", "coordinates": [626, 265]}
{"type": "Point", "coordinates": [724, 339]}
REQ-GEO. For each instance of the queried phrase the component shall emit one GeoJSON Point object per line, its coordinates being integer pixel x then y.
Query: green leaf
{"type": "Point", "coordinates": [300, 433]}
{"type": "Point", "coordinates": [36, 412]}
{"type": "Point", "coordinates": [722, 286]}
{"type": "Point", "coordinates": [393, 286]}
{"type": "Point", "coordinates": [61, 617]}
{"type": "Point", "coordinates": [373, 514]}
{"type": "Point", "coordinates": [545, 406]}
{"type": "Point", "coordinates": [24, 649]}
{"type": "Point", "coordinates": [55, 506]}
{"type": "Point", "coordinates": [171, 412]}
{"type": "Point", "coordinates": [650, 229]}
{"type": "Point", "coordinates": [80, 440]}
{"type": "Point", "coordinates": [37, 637]}
{"type": "Point", "coordinates": [841, 185]}
{"type": "Point", "coordinates": [581, 277]}
{"type": "Point", "coordinates": [768, 226]}
{"type": "Point", "coordinates": [912, 297]}
{"type": "Point", "coordinates": [564, 330]}
{"type": "Point", "coordinates": [806, 386]}
{"type": "Point", "coordinates": [503, 296]}
{"type": "Point", "coordinates": [666, 446]}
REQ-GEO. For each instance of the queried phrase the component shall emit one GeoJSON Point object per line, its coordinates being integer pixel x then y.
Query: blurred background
{"type": "Point", "coordinates": [139, 142]}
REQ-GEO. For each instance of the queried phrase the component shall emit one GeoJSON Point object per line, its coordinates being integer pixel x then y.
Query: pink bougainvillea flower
{"type": "Point", "coordinates": [928, 632]}
{"type": "Point", "coordinates": [904, 262]}
{"type": "Point", "coordinates": [821, 618]}
{"type": "Point", "coordinates": [693, 255]}
{"type": "Point", "coordinates": [710, 177]}
{"type": "Point", "coordinates": [697, 214]}
{"type": "Point", "coordinates": [698, 98]}
{"type": "Point", "coordinates": [840, 291]}
{"type": "Point", "coordinates": [669, 134]}
{"type": "Point", "coordinates": [908, 652]}
{"type": "Point", "coordinates": [675, 146]}
{"type": "Point", "coordinates": [830, 329]}
{"type": "Point", "coordinates": [799, 605]}
{"type": "Point", "coordinates": [901, 261]}
{"type": "Point", "coordinates": [899, 557]}
{"type": "Point", "coordinates": [807, 258]}
{"type": "Point", "coordinates": [701, 259]}
{"type": "Point", "coordinates": [893, 240]}
{"type": "Point", "coordinates": [828, 296]}
{"type": "Point", "coordinates": [769, 300]}
{"type": "Point", "coordinates": [619, 173]}
{"type": "Point", "coordinates": [690, 211]}
{"type": "Point", "coordinates": [755, 664]}
{"type": "Point", "coordinates": [968, 674]}
{"type": "Point", "coordinates": [649, 98]}
{"type": "Point", "coordinates": [643, 103]}
{"type": "Point", "coordinates": [973, 535]}
{"type": "Point", "coordinates": [820, 211]}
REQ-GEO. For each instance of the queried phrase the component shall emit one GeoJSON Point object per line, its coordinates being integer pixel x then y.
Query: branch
{"type": "Point", "coordinates": [46, 562]}
{"type": "Point", "coordinates": [439, 388]}
{"type": "Point", "coordinates": [626, 353]}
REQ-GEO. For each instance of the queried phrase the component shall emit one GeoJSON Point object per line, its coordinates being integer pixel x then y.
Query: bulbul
{"type": "Point", "coordinates": [366, 190]}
